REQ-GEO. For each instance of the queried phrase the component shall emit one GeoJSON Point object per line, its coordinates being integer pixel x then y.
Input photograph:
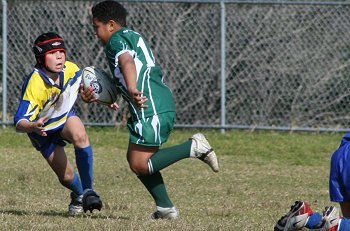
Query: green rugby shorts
{"type": "Point", "coordinates": [152, 131]}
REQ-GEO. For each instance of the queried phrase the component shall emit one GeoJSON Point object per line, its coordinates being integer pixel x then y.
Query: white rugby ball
{"type": "Point", "coordinates": [105, 90]}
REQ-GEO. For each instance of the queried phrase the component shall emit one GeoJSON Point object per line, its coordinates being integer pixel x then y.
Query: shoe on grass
{"type": "Point", "coordinates": [165, 213]}
{"type": "Point", "coordinates": [91, 200]}
{"type": "Point", "coordinates": [76, 205]}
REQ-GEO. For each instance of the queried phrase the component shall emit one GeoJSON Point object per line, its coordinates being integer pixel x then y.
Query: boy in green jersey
{"type": "Point", "coordinates": [151, 105]}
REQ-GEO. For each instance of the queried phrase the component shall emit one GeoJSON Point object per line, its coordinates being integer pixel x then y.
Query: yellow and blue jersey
{"type": "Point", "coordinates": [41, 96]}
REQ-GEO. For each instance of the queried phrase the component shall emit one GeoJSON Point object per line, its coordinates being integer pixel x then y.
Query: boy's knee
{"type": "Point", "coordinates": [80, 139]}
{"type": "Point", "coordinates": [66, 179]}
{"type": "Point", "coordinates": [139, 169]}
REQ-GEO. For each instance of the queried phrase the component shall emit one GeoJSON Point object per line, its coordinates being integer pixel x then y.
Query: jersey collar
{"type": "Point", "coordinates": [49, 80]}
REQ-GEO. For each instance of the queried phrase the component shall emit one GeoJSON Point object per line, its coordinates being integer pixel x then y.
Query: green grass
{"type": "Point", "coordinates": [262, 174]}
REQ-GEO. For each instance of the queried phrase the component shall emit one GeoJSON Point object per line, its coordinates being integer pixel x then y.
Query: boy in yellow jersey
{"type": "Point", "coordinates": [45, 114]}
{"type": "Point", "coordinates": [151, 105]}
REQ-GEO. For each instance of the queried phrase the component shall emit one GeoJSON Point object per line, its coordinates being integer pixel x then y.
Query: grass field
{"type": "Point", "coordinates": [262, 174]}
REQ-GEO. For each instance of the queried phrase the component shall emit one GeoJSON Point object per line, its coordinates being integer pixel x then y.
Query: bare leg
{"type": "Point", "coordinates": [345, 208]}
{"type": "Point", "coordinates": [60, 165]}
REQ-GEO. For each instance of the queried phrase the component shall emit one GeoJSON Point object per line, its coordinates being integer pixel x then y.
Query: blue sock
{"type": "Point", "coordinates": [84, 160]}
{"type": "Point", "coordinates": [344, 225]}
{"type": "Point", "coordinates": [75, 185]}
{"type": "Point", "coordinates": [314, 219]}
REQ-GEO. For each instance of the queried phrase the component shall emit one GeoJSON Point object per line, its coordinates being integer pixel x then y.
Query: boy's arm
{"type": "Point", "coordinates": [35, 126]}
{"type": "Point", "coordinates": [128, 68]}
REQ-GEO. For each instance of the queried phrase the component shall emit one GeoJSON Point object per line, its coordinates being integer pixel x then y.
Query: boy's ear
{"type": "Point", "coordinates": [113, 25]}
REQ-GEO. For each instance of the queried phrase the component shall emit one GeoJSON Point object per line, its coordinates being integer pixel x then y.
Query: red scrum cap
{"type": "Point", "coordinates": [47, 42]}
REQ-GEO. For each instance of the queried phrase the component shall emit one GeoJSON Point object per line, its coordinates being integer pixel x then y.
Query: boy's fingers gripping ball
{"type": "Point", "coordinates": [105, 90]}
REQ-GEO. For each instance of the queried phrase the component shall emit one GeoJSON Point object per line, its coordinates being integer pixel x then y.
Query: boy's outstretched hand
{"type": "Point", "coordinates": [87, 95]}
{"type": "Point", "coordinates": [38, 126]}
{"type": "Point", "coordinates": [114, 106]}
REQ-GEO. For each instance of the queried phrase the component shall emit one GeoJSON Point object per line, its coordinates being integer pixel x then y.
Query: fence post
{"type": "Point", "coordinates": [223, 66]}
{"type": "Point", "coordinates": [4, 63]}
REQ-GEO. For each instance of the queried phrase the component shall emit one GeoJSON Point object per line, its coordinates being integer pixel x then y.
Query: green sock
{"type": "Point", "coordinates": [155, 186]}
{"type": "Point", "coordinates": [167, 156]}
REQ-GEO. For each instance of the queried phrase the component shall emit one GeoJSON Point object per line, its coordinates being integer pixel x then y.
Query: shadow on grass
{"type": "Point", "coordinates": [14, 212]}
{"type": "Point", "coordinates": [61, 214]}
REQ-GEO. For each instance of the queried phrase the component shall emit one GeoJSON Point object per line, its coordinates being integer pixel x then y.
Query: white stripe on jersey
{"type": "Point", "coordinates": [150, 91]}
{"type": "Point", "coordinates": [142, 90]}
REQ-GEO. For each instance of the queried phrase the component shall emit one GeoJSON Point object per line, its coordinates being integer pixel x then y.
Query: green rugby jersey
{"type": "Point", "coordinates": [149, 74]}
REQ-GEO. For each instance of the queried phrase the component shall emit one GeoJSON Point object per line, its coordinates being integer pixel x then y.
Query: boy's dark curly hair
{"type": "Point", "coordinates": [110, 10]}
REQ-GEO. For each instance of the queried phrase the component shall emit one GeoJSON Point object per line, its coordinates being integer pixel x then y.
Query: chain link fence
{"type": "Point", "coordinates": [286, 63]}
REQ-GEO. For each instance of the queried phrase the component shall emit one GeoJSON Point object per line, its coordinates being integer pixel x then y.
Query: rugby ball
{"type": "Point", "coordinates": [105, 90]}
